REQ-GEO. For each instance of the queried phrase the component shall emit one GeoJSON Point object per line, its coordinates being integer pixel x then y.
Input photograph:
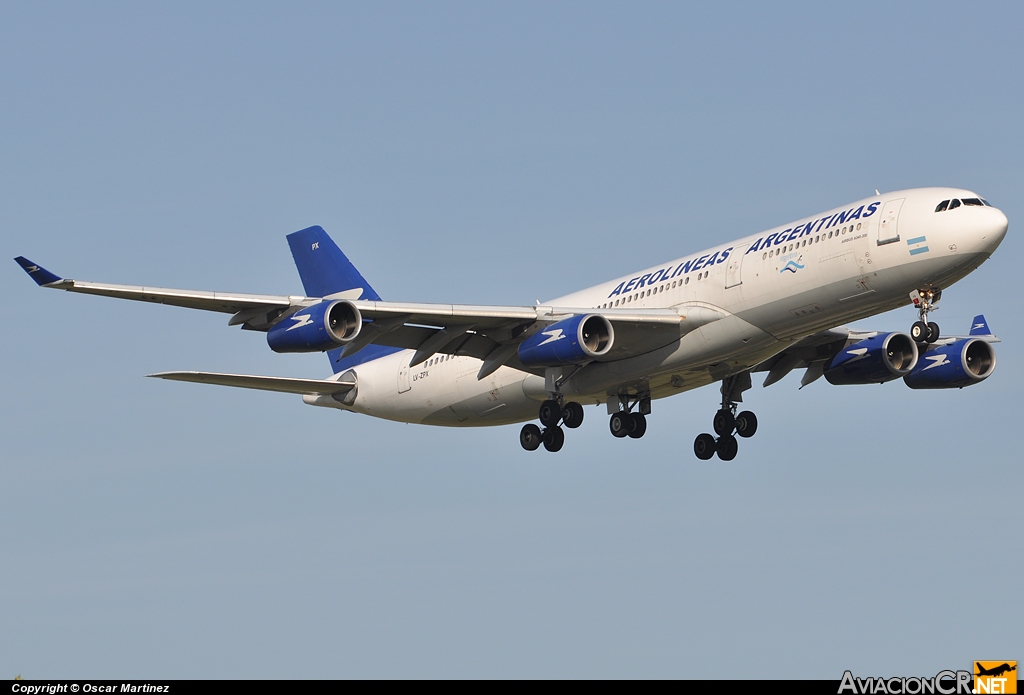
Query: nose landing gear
{"type": "Point", "coordinates": [727, 422]}
{"type": "Point", "coordinates": [924, 332]}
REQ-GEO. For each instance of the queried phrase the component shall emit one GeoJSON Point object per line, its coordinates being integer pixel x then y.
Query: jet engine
{"type": "Point", "coordinates": [570, 341]}
{"type": "Point", "coordinates": [318, 328]}
{"type": "Point", "coordinates": [884, 357]}
{"type": "Point", "coordinates": [953, 366]}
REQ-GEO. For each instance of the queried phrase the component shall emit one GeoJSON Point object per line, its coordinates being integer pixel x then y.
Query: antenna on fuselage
{"type": "Point", "coordinates": [876, 192]}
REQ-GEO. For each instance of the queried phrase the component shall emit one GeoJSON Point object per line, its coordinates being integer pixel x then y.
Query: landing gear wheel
{"type": "Point", "coordinates": [572, 415]}
{"type": "Point", "coordinates": [724, 422]}
{"type": "Point", "coordinates": [704, 446]}
{"type": "Point", "coordinates": [727, 447]}
{"type": "Point", "coordinates": [746, 424]}
{"type": "Point", "coordinates": [554, 438]}
{"type": "Point", "coordinates": [639, 425]}
{"type": "Point", "coordinates": [933, 332]}
{"type": "Point", "coordinates": [530, 437]}
{"type": "Point", "coordinates": [550, 414]}
{"type": "Point", "coordinates": [620, 425]}
{"type": "Point", "coordinates": [919, 332]}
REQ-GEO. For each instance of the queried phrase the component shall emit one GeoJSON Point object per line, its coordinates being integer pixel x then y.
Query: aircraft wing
{"type": "Point", "coordinates": [489, 333]}
{"type": "Point", "coordinates": [813, 352]}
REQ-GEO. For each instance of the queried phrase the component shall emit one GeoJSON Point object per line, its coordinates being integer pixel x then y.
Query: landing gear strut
{"type": "Point", "coordinates": [728, 422]}
{"type": "Point", "coordinates": [924, 332]}
{"type": "Point", "coordinates": [552, 414]}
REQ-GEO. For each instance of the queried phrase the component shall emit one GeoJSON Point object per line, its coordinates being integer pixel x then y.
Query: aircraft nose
{"type": "Point", "coordinates": [992, 231]}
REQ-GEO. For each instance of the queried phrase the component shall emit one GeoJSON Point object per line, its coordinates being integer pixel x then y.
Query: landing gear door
{"type": "Point", "coordinates": [405, 375]}
{"type": "Point", "coordinates": [888, 231]}
{"type": "Point", "coordinates": [734, 266]}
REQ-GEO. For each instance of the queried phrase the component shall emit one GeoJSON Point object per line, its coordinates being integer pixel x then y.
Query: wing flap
{"type": "Point", "coordinates": [279, 384]}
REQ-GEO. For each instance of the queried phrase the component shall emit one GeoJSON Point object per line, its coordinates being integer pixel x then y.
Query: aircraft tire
{"type": "Point", "coordinates": [919, 332]}
{"type": "Point", "coordinates": [724, 422]}
{"type": "Point", "coordinates": [530, 437]}
{"type": "Point", "coordinates": [638, 425]}
{"type": "Point", "coordinates": [572, 415]}
{"type": "Point", "coordinates": [550, 414]}
{"type": "Point", "coordinates": [704, 446]}
{"type": "Point", "coordinates": [619, 424]}
{"type": "Point", "coordinates": [727, 447]}
{"type": "Point", "coordinates": [746, 424]}
{"type": "Point", "coordinates": [554, 438]}
{"type": "Point", "coordinates": [933, 332]}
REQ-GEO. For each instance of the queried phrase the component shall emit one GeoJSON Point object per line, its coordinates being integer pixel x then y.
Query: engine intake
{"type": "Point", "coordinates": [318, 328]}
{"type": "Point", "coordinates": [570, 341]}
{"type": "Point", "coordinates": [884, 357]}
{"type": "Point", "coordinates": [953, 366]}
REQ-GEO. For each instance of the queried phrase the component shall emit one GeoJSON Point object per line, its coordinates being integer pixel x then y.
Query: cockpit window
{"type": "Point", "coordinates": [973, 201]}
{"type": "Point", "coordinates": [954, 204]}
{"type": "Point", "coordinates": [942, 206]}
{"type": "Point", "coordinates": [986, 202]}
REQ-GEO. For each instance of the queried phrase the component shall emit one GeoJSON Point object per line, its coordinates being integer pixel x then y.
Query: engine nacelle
{"type": "Point", "coordinates": [962, 363]}
{"type": "Point", "coordinates": [885, 357]}
{"type": "Point", "coordinates": [318, 328]}
{"type": "Point", "coordinates": [571, 341]}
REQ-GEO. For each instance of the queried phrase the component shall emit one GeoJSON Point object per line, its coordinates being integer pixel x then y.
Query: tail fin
{"type": "Point", "coordinates": [324, 269]}
{"type": "Point", "coordinates": [980, 326]}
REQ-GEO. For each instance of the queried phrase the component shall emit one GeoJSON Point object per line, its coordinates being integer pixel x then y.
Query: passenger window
{"type": "Point", "coordinates": [687, 281]}
{"type": "Point", "coordinates": [764, 255]}
{"type": "Point", "coordinates": [954, 204]}
{"type": "Point", "coordinates": [858, 225]}
{"type": "Point", "coordinates": [830, 235]}
{"type": "Point", "coordinates": [942, 206]}
{"type": "Point", "coordinates": [973, 201]}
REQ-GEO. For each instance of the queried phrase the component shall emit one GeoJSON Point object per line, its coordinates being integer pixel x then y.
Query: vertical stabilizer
{"type": "Point", "coordinates": [325, 271]}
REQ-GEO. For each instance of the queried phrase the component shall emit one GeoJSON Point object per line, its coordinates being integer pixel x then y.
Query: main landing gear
{"type": "Point", "coordinates": [631, 420]}
{"type": "Point", "coordinates": [924, 332]}
{"type": "Point", "coordinates": [727, 422]}
{"type": "Point", "coordinates": [552, 414]}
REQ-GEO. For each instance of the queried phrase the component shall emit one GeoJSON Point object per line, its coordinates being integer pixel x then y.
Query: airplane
{"type": "Point", "coordinates": [769, 302]}
{"type": "Point", "coordinates": [995, 671]}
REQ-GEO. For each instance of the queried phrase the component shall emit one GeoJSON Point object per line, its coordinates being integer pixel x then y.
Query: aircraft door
{"type": "Point", "coordinates": [888, 231]}
{"type": "Point", "coordinates": [734, 266]}
{"type": "Point", "coordinates": [405, 374]}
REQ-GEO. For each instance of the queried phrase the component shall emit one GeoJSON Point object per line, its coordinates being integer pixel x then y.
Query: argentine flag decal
{"type": "Point", "coordinates": [917, 245]}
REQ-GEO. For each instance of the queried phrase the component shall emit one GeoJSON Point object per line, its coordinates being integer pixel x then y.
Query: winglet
{"type": "Point", "coordinates": [41, 275]}
{"type": "Point", "coordinates": [980, 326]}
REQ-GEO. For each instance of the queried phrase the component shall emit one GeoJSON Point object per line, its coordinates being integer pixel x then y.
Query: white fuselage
{"type": "Point", "coordinates": [773, 288]}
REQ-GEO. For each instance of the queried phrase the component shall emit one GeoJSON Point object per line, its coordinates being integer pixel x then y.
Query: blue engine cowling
{"type": "Point", "coordinates": [571, 341]}
{"type": "Point", "coordinates": [884, 357]}
{"type": "Point", "coordinates": [953, 366]}
{"type": "Point", "coordinates": [321, 327]}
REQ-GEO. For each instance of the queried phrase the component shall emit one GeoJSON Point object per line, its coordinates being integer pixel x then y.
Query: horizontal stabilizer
{"type": "Point", "coordinates": [980, 326]}
{"type": "Point", "coordinates": [41, 275]}
{"type": "Point", "coordinates": [280, 384]}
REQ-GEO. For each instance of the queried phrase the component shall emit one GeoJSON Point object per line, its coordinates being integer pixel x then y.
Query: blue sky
{"type": "Point", "coordinates": [485, 153]}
